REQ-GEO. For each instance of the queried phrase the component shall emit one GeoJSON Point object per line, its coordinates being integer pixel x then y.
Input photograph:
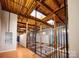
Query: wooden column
{"type": "Point", "coordinates": [27, 33]}
{"type": "Point", "coordinates": [55, 32]}
{"type": "Point", "coordinates": [55, 38]}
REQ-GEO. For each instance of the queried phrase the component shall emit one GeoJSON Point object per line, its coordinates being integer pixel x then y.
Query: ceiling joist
{"type": "Point", "coordinates": [52, 9]}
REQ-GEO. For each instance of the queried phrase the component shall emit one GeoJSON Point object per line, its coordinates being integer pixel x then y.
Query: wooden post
{"type": "Point", "coordinates": [55, 32]}
{"type": "Point", "coordinates": [55, 39]}
{"type": "Point", "coordinates": [27, 33]}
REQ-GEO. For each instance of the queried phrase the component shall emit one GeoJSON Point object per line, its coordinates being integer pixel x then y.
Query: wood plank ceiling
{"type": "Point", "coordinates": [52, 9]}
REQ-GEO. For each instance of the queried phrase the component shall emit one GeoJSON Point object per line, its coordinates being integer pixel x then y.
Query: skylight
{"type": "Point", "coordinates": [51, 22]}
{"type": "Point", "coordinates": [38, 15]}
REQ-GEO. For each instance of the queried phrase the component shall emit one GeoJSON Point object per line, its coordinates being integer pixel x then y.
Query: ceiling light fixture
{"type": "Point", "coordinates": [44, 33]}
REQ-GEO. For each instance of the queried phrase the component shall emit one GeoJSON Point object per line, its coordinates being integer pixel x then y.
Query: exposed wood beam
{"type": "Point", "coordinates": [28, 24]}
{"type": "Point", "coordinates": [52, 15]}
{"type": "Point", "coordinates": [30, 17]}
{"type": "Point", "coordinates": [52, 12]}
{"type": "Point", "coordinates": [25, 28]}
{"type": "Point", "coordinates": [59, 9]}
{"type": "Point", "coordinates": [18, 4]}
{"type": "Point", "coordinates": [47, 17]}
{"type": "Point", "coordinates": [57, 3]}
{"type": "Point", "coordinates": [23, 31]}
{"type": "Point", "coordinates": [36, 8]}
{"type": "Point", "coordinates": [42, 3]}
{"type": "Point", "coordinates": [60, 19]}
{"type": "Point", "coordinates": [31, 7]}
{"type": "Point", "coordinates": [2, 4]}
{"type": "Point", "coordinates": [31, 10]}
{"type": "Point", "coordinates": [20, 26]}
{"type": "Point", "coordinates": [23, 4]}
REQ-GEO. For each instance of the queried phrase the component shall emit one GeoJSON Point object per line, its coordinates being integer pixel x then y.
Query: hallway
{"type": "Point", "coordinates": [20, 52]}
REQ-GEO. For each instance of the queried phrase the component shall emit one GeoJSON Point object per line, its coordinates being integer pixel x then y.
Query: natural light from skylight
{"type": "Point", "coordinates": [38, 15]}
{"type": "Point", "coordinates": [51, 22]}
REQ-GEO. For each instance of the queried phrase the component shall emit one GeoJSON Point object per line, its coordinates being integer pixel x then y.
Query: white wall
{"type": "Point", "coordinates": [0, 25]}
{"type": "Point", "coordinates": [73, 14]}
{"type": "Point", "coordinates": [13, 28]}
{"type": "Point", "coordinates": [0, 30]}
{"type": "Point", "coordinates": [4, 28]}
{"type": "Point", "coordinates": [23, 39]}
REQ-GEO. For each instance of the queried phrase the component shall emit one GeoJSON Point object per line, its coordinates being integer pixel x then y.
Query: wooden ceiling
{"type": "Point", "coordinates": [52, 9]}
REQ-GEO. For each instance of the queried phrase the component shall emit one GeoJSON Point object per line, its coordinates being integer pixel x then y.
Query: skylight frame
{"type": "Point", "coordinates": [51, 22]}
{"type": "Point", "coordinates": [38, 14]}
